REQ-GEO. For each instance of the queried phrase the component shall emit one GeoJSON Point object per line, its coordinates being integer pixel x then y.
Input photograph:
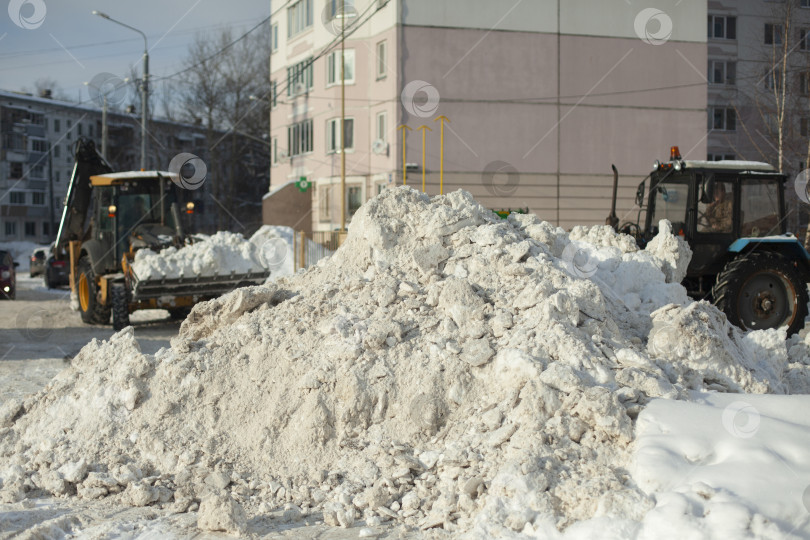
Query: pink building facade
{"type": "Point", "coordinates": [540, 98]}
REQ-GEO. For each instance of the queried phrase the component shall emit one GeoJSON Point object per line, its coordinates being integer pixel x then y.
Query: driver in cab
{"type": "Point", "coordinates": [719, 212]}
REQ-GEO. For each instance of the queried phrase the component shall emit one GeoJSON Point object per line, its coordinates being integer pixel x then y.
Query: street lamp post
{"type": "Point", "coordinates": [103, 122]}
{"type": "Point", "coordinates": [144, 85]}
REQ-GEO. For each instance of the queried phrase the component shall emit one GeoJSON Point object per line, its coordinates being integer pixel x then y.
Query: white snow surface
{"type": "Point", "coordinates": [223, 253]}
{"type": "Point", "coordinates": [444, 369]}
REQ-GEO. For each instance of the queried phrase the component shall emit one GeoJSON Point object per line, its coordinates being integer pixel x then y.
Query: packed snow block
{"type": "Point", "coordinates": [206, 317]}
{"type": "Point", "coordinates": [673, 252]}
{"type": "Point", "coordinates": [219, 512]}
{"type": "Point", "coordinates": [699, 349]}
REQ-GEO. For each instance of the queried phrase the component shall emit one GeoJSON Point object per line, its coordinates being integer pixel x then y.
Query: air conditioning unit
{"type": "Point", "coordinates": [299, 88]}
{"type": "Point", "coordinates": [380, 147]}
{"type": "Point", "coordinates": [282, 154]}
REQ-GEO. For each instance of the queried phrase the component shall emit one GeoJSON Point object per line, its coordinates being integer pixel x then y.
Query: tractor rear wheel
{"type": "Point", "coordinates": [762, 290]}
{"type": "Point", "coordinates": [120, 306]}
{"type": "Point", "coordinates": [90, 306]}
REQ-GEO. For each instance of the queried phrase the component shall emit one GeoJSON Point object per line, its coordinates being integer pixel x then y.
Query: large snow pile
{"type": "Point", "coordinates": [443, 369]}
{"type": "Point", "coordinates": [270, 248]}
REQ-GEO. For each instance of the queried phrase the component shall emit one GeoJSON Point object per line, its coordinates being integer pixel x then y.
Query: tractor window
{"type": "Point", "coordinates": [717, 216]}
{"type": "Point", "coordinates": [760, 208]}
{"type": "Point", "coordinates": [671, 200]}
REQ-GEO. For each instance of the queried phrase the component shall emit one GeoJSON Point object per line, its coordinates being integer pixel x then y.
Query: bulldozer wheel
{"type": "Point", "coordinates": [91, 309]}
{"type": "Point", "coordinates": [120, 306]}
{"type": "Point", "coordinates": [762, 290]}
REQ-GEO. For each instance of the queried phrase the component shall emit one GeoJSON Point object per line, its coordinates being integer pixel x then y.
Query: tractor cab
{"type": "Point", "coordinates": [732, 215]}
{"type": "Point", "coordinates": [711, 204]}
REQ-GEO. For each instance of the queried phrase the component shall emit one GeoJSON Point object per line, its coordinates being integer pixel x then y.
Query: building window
{"type": "Point", "coordinates": [299, 138]}
{"type": "Point", "coordinates": [805, 3]}
{"type": "Point", "coordinates": [804, 126]}
{"type": "Point", "coordinates": [57, 125]}
{"type": "Point", "coordinates": [723, 119]}
{"type": "Point", "coordinates": [57, 151]}
{"type": "Point", "coordinates": [804, 83]}
{"type": "Point", "coordinates": [38, 145]}
{"type": "Point", "coordinates": [67, 153]}
{"type": "Point", "coordinates": [38, 171]}
{"type": "Point", "coordinates": [721, 27]}
{"type": "Point", "coordinates": [273, 94]}
{"type": "Point", "coordinates": [773, 34]}
{"type": "Point", "coordinates": [773, 78]}
{"type": "Point", "coordinates": [90, 130]}
{"type": "Point", "coordinates": [720, 157]}
{"type": "Point", "coordinates": [16, 197]}
{"type": "Point", "coordinates": [38, 198]}
{"type": "Point", "coordinates": [11, 228]}
{"type": "Point", "coordinates": [15, 170]}
{"type": "Point", "coordinates": [355, 199]}
{"type": "Point", "coordinates": [79, 129]}
{"type": "Point", "coordinates": [299, 77]}
{"type": "Point", "coordinates": [274, 37]}
{"type": "Point", "coordinates": [57, 177]}
{"type": "Point", "coordinates": [275, 150]}
{"type": "Point", "coordinates": [382, 126]}
{"type": "Point", "coordinates": [380, 187]}
{"type": "Point", "coordinates": [382, 68]}
{"type": "Point", "coordinates": [804, 39]}
{"type": "Point", "coordinates": [333, 135]}
{"type": "Point", "coordinates": [333, 67]}
{"type": "Point", "coordinates": [722, 72]}
{"type": "Point", "coordinates": [324, 213]}
{"type": "Point", "coordinates": [299, 17]}
{"type": "Point", "coordinates": [335, 8]}
{"type": "Point", "coordinates": [30, 228]}
{"type": "Point", "coordinates": [46, 230]}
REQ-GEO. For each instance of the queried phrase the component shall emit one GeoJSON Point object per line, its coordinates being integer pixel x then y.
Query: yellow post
{"type": "Point", "coordinates": [424, 129]}
{"type": "Point", "coordinates": [403, 127]}
{"type": "Point", "coordinates": [441, 120]}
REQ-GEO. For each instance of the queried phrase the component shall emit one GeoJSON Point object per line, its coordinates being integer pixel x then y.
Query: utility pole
{"type": "Point", "coordinates": [342, 119]}
{"type": "Point", "coordinates": [144, 86]}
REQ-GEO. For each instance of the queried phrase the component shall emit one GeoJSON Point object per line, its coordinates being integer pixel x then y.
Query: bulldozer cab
{"type": "Point", "coordinates": [132, 211]}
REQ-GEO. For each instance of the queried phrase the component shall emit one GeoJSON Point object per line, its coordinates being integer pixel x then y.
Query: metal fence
{"type": "Point", "coordinates": [309, 248]}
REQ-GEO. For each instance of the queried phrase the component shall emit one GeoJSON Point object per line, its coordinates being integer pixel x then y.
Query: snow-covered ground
{"type": "Point", "coordinates": [518, 432]}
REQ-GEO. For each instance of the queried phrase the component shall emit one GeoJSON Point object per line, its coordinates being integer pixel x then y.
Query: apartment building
{"type": "Point", "coordinates": [36, 159]}
{"type": "Point", "coordinates": [540, 99]}
{"type": "Point", "coordinates": [755, 48]}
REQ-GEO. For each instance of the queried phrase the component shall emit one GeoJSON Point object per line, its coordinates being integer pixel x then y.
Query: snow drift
{"type": "Point", "coordinates": [443, 369]}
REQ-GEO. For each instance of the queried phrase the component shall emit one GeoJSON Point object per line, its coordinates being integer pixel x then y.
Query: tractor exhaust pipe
{"type": "Point", "coordinates": [612, 220]}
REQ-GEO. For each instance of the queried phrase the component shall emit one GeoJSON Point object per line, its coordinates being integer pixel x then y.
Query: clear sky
{"type": "Point", "coordinates": [65, 42]}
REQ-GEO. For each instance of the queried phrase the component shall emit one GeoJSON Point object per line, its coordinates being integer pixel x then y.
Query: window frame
{"type": "Point", "coordinates": [382, 134]}
{"type": "Point", "coordinates": [713, 19]}
{"type": "Point", "coordinates": [771, 37]}
{"type": "Point", "coordinates": [331, 67]}
{"type": "Point", "coordinates": [300, 138]}
{"type": "Point", "coordinates": [381, 60]}
{"type": "Point", "coordinates": [726, 80]}
{"type": "Point", "coordinates": [728, 112]}
{"type": "Point", "coordinates": [299, 20]}
{"type": "Point", "coordinates": [333, 135]}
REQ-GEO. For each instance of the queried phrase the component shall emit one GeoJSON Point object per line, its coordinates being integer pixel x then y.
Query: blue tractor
{"type": "Point", "coordinates": [732, 214]}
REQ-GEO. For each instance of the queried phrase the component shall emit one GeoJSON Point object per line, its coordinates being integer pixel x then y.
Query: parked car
{"type": "Point", "coordinates": [56, 272]}
{"type": "Point", "coordinates": [38, 258]}
{"type": "Point", "coordinates": [8, 276]}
